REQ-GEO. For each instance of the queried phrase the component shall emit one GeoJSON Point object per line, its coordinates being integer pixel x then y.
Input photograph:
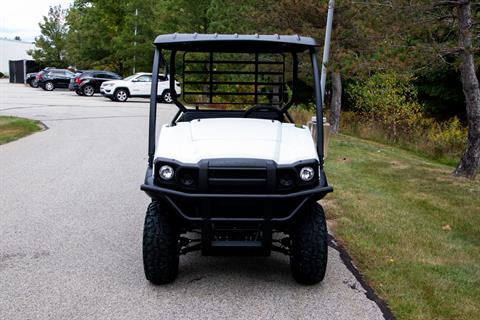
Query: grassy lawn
{"type": "Point", "coordinates": [412, 229]}
{"type": "Point", "coordinates": [13, 128]}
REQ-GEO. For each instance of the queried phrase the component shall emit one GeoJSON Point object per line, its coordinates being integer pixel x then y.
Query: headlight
{"type": "Point", "coordinates": [166, 172]}
{"type": "Point", "coordinates": [107, 84]}
{"type": "Point", "coordinates": [307, 174]}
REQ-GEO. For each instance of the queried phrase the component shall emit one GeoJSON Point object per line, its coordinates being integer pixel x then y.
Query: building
{"type": "Point", "coordinates": [13, 50]}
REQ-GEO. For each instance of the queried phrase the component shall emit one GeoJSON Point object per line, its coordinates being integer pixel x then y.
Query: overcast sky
{"type": "Point", "coordinates": [21, 17]}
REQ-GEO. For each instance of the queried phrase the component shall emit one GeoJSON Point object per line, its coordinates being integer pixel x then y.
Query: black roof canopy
{"type": "Point", "coordinates": [234, 42]}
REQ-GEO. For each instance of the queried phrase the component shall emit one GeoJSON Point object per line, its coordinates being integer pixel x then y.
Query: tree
{"type": "Point", "coordinates": [335, 106]}
{"type": "Point", "coordinates": [138, 34]}
{"type": "Point", "coordinates": [470, 161]}
{"type": "Point", "coordinates": [234, 16]}
{"type": "Point", "coordinates": [50, 46]}
{"type": "Point", "coordinates": [183, 16]}
{"type": "Point", "coordinates": [95, 35]}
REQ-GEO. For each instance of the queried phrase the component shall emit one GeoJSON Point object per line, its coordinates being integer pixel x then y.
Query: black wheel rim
{"type": "Point", "coordinates": [88, 91]}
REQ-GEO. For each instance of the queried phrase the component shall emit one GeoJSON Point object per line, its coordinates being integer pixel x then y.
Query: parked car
{"type": "Point", "coordinates": [31, 79]}
{"type": "Point", "coordinates": [54, 78]}
{"type": "Point", "coordinates": [88, 83]}
{"type": "Point", "coordinates": [138, 85]}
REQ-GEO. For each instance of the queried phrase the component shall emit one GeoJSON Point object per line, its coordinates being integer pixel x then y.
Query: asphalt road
{"type": "Point", "coordinates": [71, 219]}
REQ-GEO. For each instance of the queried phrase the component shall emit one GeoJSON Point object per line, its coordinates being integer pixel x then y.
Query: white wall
{"type": "Point", "coordinates": [13, 50]}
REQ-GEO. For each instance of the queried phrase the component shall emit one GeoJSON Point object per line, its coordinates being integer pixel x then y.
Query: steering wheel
{"type": "Point", "coordinates": [263, 108]}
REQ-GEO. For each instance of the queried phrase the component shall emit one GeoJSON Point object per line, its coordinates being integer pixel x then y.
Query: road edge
{"type": "Point", "coordinates": [370, 293]}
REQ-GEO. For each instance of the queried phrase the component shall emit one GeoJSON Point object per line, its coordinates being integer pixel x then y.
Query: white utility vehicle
{"type": "Point", "coordinates": [137, 85]}
{"type": "Point", "coordinates": [228, 180]}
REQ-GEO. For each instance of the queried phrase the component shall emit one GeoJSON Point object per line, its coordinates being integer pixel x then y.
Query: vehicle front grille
{"type": "Point", "coordinates": [237, 176]}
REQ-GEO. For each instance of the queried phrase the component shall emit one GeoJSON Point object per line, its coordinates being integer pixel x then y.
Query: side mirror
{"type": "Point", "coordinates": [135, 80]}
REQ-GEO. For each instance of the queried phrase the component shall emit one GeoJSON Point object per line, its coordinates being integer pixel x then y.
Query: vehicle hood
{"type": "Point", "coordinates": [114, 82]}
{"type": "Point", "coordinates": [190, 142]}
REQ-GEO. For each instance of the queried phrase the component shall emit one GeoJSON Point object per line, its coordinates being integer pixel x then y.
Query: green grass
{"type": "Point", "coordinates": [13, 128]}
{"type": "Point", "coordinates": [412, 229]}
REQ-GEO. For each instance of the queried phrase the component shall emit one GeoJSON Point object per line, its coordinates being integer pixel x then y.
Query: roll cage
{"type": "Point", "coordinates": [212, 44]}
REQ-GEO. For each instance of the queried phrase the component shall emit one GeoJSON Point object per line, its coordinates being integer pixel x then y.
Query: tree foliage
{"type": "Point", "coordinates": [50, 46]}
{"type": "Point", "coordinates": [387, 97]}
{"type": "Point", "coordinates": [102, 34]}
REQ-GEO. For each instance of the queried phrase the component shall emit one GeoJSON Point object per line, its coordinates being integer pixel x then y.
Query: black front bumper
{"type": "Point", "coordinates": [172, 196]}
{"type": "Point", "coordinates": [265, 202]}
{"type": "Point", "coordinates": [211, 211]}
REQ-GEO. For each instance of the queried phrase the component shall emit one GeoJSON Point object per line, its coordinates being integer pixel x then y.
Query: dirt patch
{"type": "Point", "coordinates": [343, 160]}
{"type": "Point", "coordinates": [399, 165]}
{"type": "Point", "coordinates": [332, 226]}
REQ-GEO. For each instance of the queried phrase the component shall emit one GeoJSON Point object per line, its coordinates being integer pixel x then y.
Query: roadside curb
{"type": "Point", "coordinates": [42, 125]}
{"type": "Point", "coordinates": [370, 293]}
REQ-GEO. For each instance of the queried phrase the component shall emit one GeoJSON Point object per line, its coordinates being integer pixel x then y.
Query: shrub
{"type": "Point", "coordinates": [2, 75]}
{"type": "Point", "coordinates": [386, 110]}
{"type": "Point", "coordinates": [302, 114]}
{"type": "Point", "coordinates": [439, 140]}
{"type": "Point", "coordinates": [386, 98]}
{"type": "Point", "coordinates": [447, 138]}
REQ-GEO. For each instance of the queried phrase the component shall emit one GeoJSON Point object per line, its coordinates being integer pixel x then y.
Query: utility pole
{"type": "Point", "coordinates": [135, 41]}
{"type": "Point", "coordinates": [326, 47]}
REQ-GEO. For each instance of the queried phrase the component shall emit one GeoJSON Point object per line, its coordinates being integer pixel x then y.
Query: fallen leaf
{"type": "Point", "coordinates": [447, 227]}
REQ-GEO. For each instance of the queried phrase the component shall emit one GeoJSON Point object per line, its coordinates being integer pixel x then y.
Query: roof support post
{"type": "Point", "coordinates": [171, 76]}
{"type": "Point", "coordinates": [153, 108]}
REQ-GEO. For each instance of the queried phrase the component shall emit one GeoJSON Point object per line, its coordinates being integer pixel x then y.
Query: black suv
{"type": "Point", "coordinates": [89, 82]}
{"type": "Point", "coordinates": [54, 78]}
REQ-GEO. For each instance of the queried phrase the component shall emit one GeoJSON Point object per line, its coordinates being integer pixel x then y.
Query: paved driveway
{"type": "Point", "coordinates": [71, 218]}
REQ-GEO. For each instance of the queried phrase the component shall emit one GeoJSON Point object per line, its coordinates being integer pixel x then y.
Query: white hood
{"type": "Point", "coordinates": [190, 142]}
{"type": "Point", "coordinates": [115, 82]}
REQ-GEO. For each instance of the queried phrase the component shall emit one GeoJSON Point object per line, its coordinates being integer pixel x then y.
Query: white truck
{"type": "Point", "coordinates": [138, 85]}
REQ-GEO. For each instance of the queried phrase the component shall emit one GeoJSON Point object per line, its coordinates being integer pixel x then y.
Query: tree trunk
{"type": "Point", "coordinates": [336, 102]}
{"type": "Point", "coordinates": [470, 161]}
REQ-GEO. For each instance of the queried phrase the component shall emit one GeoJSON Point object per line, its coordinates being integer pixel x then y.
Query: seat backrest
{"type": "Point", "coordinates": [208, 114]}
